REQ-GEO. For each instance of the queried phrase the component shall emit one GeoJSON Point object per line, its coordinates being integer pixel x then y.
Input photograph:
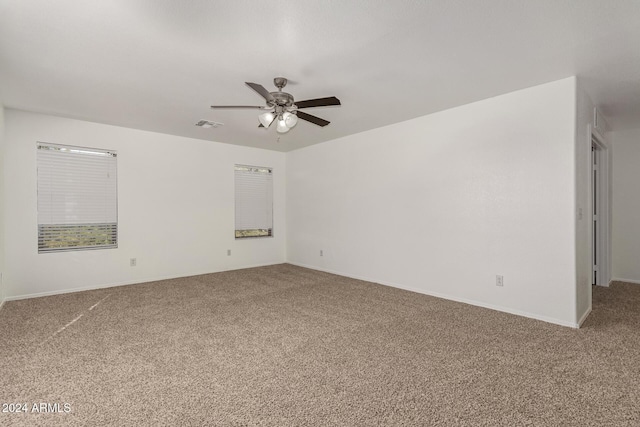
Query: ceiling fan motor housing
{"type": "Point", "coordinates": [282, 99]}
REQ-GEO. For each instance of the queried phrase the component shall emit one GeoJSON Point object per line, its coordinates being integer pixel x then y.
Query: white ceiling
{"type": "Point", "coordinates": [159, 64]}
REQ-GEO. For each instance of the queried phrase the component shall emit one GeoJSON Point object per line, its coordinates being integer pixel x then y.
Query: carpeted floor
{"type": "Point", "coordinates": [287, 346]}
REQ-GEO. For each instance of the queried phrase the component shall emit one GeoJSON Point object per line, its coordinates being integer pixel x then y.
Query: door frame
{"type": "Point", "coordinates": [603, 208]}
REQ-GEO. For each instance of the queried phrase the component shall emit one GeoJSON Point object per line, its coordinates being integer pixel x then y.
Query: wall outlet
{"type": "Point", "coordinates": [321, 252]}
{"type": "Point", "coordinates": [133, 262]}
{"type": "Point", "coordinates": [228, 252]}
{"type": "Point", "coordinates": [499, 280]}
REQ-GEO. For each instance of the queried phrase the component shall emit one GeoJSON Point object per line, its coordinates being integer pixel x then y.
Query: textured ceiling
{"type": "Point", "coordinates": [159, 64]}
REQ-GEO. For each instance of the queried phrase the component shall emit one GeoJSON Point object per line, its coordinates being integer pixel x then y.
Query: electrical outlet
{"type": "Point", "coordinates": [133, 262]}
{"type": "Point", "coordinates": [321, 252]}
{"type": "Point", "coordinates": [499, 280]}
{"type": "Point", "coordinates": [228, 252]}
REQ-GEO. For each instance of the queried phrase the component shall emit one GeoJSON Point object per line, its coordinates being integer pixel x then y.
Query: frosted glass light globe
{"type": "Point", "coordinates": [290, 119]}
{"type": "Point", "coordinates": [266, 118]}
{"type": "Point", "coordinates": [282, 126]}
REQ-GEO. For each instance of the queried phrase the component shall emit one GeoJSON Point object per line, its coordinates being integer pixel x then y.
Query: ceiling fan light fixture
{"type": "Point", "coordinates": [266, 118]}
{"type": "Point", "coordinates": [290, 119]}
{"type": "Point", "coordinates": [282, 107]}
{"type": "Point", "coordinates": [282, 126]}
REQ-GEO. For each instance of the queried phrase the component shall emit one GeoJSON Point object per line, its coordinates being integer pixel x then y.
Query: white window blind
{"type": "Point", "coordinates": [77, 198]}
{"type": "Point", "coordinates": [254, 201]}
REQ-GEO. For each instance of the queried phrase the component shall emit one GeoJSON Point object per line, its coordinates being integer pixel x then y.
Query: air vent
{"type": "Point", "coordinates": [208, 124]}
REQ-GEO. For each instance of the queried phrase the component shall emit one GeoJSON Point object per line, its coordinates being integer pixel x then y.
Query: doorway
{"type": "Point", "coordinates": [600, 212]}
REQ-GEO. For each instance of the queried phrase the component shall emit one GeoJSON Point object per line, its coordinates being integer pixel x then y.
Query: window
{"type": "Point", "coordinates": [254, 201]}
{"type": "Point", "coordinates": [77, 198]}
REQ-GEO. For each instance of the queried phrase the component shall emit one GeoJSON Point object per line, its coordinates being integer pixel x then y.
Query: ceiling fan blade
{"type": "Point", "coordinates": [319, 102]}
{"type": "Point", "coordinates": [313, 119]}
{"type": "Point", "coordinates": [262, 91]}
{"type": "Point", "coordinates": [253, 107]}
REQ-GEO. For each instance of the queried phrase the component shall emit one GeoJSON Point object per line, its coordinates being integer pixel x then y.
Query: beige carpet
{"type": "Point", "coordinates": [287, 346]}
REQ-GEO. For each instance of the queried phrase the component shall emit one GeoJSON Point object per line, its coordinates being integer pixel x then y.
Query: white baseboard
{"type": "Point", "coordinates": [124, 283]}
{"type": "Point", "coordinates": [625, 280]}
{"type": "Point", "coordinates": [449, 297]}
{"type": "Point", "coordinates": [584, 317]}
{"type": "Point", "coordinates": [2, 303]}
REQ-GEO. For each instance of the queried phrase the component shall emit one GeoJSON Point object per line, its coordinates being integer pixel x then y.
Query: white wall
{"type": "Point", "coordinates": [175, 208]}
{"type": "Point", "coordinates": [584, 111]}
{"type": "Point", "coordinates": [626, 205]}
{"type": "Point", "coordinates": [443, 203]}
{"type": "Point", "coordinates": [2, 204]}
{"type": "Point", "coordinates": [584, 191]}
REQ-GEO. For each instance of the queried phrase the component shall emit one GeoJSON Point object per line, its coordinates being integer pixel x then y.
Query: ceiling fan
{"type": "Point", "coordinates": [281, 107]}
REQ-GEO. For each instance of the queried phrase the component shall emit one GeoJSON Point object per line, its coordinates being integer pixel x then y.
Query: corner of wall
{"type": "Point", "coordinates": [585, 129]}
{"type": "Point", "coordinates": [584, 109]}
